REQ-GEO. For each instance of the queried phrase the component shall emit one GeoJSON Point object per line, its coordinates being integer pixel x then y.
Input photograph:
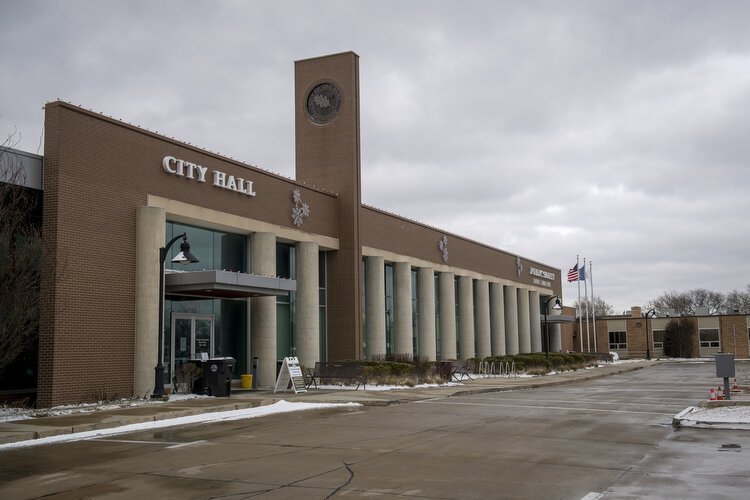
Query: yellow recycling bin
{"type": "Point", "coordinates": [246, 381]}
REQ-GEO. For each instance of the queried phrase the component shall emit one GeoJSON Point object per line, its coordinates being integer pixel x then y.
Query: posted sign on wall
{"type": "Point", "coordinates": [290, 372]}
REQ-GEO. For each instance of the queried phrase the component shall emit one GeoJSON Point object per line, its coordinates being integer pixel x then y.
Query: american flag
{"type": "Point", "coordinates": [573, 274]}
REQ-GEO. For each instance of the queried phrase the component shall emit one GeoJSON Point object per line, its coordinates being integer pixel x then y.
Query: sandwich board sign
{"type": "Point", "coordinates": [291, 371]}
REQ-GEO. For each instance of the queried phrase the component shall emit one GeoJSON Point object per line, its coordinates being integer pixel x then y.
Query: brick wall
{"type": "Point", "coordinates": [96, 172]}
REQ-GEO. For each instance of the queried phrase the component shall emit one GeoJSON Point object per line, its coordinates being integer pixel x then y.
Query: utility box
{"type": "Point", "coordinates": [724, 365]}
{"type": "Point", "coordinates": [216, 379]}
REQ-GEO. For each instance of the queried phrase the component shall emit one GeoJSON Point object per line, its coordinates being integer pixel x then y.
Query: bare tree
{"type": "Point", "coordinates": [680, 302]}
{"type": "Point", "coordinates": [737, 300]}
{"type": "Point", "coordinates": [679, 338]}
{"type": "Point", "coordinates": [701, 297]}
{"type": "Point", "coordinates": [20, 251]}
{"type": "Point", "coordinates": [597, 305]}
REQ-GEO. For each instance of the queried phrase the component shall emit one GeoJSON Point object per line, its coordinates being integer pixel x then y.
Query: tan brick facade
{"type": "Point", "coordinates": [733, 334]}
{"type": "Point", "coordinates": [100, 172]}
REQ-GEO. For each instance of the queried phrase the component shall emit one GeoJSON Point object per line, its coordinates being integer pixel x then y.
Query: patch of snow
{"type": "Point", "coordinates": [223, 416]}
{"type": "Point", "coordinates": [8, 414]}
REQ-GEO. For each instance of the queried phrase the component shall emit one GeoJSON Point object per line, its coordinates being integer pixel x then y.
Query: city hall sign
{"type": "Point", "coordinates": [547, 277]}
{"type": "Point", "coordinates": [193, 171]}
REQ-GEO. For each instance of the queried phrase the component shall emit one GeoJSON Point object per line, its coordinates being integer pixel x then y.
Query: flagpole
{"type": "Point", "coordinates": [593, 306]}
{"type": "Point", "coordinates": [580, 306]}
{"type": "Point", "coordinates": [586, 302]}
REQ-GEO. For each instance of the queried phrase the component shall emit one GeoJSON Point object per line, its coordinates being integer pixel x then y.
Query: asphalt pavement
{"type": "Point", "coordinates": [46, 426]}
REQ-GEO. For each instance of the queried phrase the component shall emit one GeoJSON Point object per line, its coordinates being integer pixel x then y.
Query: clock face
{"type": "Point", "coordinates": [324, 102]}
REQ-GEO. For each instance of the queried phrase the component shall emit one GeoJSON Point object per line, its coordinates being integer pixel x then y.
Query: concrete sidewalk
{"type": "Point", "coordinates": [39, 427]}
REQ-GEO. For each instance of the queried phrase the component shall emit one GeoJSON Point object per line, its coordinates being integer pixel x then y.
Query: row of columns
{"type": "Point", "coordinates": [262, 310]}
{"type": "Point", "coordinates": [493, 319]}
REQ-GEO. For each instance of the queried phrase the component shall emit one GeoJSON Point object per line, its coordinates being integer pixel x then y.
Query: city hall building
{"type": "Point", "coordinates": [286, 267]}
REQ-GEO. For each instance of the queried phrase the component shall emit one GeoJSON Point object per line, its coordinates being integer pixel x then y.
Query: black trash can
{"type": "Point", "coordinates": [216, 379]}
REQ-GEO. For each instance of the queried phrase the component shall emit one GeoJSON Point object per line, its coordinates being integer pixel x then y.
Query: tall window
{"type": "Point", "coordinates": [709, 337]}
{"type": "Point", "coordinates": [322, 303]}
{"type": "Point", "coordinates": [389, 318]}
{"type": "Point", "coordinates": [414, 311]}
{"type": "Point", "coordinates": [216, 250]}
{"type": "Point", "coordinates": [618, 340]}
{"type": "Point", "coordinates": [437, 316]}
{"type": "Point", "coordinates": [285, 304]}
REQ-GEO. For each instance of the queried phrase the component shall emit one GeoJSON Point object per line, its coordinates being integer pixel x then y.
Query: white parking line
{"type": "Point", "coordinates": [526, 407]}
{"type": "Point", "coordinates": [133, 441]}
{"type": "Point", "coordinates": [642, 402]}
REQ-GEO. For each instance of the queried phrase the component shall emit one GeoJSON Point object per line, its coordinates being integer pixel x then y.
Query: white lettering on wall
{"type": "Point", "coordinates": [193, 171]}
{"type": "Point", "coordinates": [544, 283]}
{"type": "Point", "coordinates": [542, 274]}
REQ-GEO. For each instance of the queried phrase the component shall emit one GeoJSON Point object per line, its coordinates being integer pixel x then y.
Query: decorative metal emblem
{"type": "Point", "coordinates": [324, 102]}
{"type": "Point", "coordinates": [519, 266]}
{"type": "Point", "coordinates": [443, 246]}
{"type": "Point", "coordinates": [301, 210]}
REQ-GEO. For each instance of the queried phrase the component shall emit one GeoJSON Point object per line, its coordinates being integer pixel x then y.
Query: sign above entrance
{"type": "Point", "coordinates": [193, 171]}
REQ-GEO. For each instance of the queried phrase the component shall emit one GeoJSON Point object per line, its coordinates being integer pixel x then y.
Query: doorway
{"type": "Point", "coordinates": [193, 338]}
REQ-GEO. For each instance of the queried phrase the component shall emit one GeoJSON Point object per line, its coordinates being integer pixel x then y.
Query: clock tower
{"type": "Point", "coordinates": [328, 157]}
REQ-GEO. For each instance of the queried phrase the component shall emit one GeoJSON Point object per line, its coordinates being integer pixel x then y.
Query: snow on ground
{"type": "Point", "coordinates": [11, 413]}
{"type": "Point", "coordinates": [222, 416]}
{"type": "Point", "coordinates": [722, 417]}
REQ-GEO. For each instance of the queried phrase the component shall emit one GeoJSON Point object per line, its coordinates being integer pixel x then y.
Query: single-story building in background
{"type": "Point", "coordinates": [641, 334]}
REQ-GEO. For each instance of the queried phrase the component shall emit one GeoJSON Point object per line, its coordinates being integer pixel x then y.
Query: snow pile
{"type": "Point", "coordinates": [222, 416]}
{"type": "Point", "coordinates": [721, 417]}
{"type": "Point", "coordinates": [8, 414]}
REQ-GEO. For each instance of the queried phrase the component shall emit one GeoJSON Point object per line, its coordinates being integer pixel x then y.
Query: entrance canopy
{"type": "Point", "coordinates": [225, 284]}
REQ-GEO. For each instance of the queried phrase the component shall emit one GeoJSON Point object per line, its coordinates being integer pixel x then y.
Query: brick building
{"type": "Point", "coordinates": [287, 266]}
{"type": "Point", "coordinates": [631, 336]}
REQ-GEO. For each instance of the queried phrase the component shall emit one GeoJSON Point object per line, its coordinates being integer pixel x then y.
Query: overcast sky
{"type": "Point", "coordinates": [617, 130]}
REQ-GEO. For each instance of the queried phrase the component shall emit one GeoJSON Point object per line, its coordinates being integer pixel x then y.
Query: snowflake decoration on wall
{"type": "Point", "coordinates": [301, 210]}
{"type": "Point", "coordinates": [443, 246]}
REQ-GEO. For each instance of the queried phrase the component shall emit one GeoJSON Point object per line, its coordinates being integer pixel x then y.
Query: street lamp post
{"type": "Point", "coordinates": [652, 312]}
{"type": "Point", "coordinates": [546, 325]}
{"type": "Point", "coordinates": [184, 257]}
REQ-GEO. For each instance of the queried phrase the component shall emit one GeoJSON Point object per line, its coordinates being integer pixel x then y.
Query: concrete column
{"type": "Point", "coordinates": [447, 290]}
{"type": "Point", "coordinates": [466, 347]}
{"type": "Point", "coordinates": [524, 328]}
{"type": "Point", "coordinates": [150, 235]}
{"type": "Point", "coordinates": [404, 334]}
{"type": "Point", "coordinates": [497, 319]}
{"type": "Point", "coordinates": [535, 322]}
{"type": "Point", "coordinates": [426, 314]}
{"type": "Point", "coordinates": [307, 310]}
{"type": "Point", "coordinates": [555, 337]}
{"type": "Point", "coordinates": [375, 307]}
{"type": "Point", "coordinates": [263, 310]}
{"type": "Point", "coordinates": [482, 318]}
{"type": "Point", "coordinates": [555, 330]}
{"type": "Point", "coordinates": [511, 319]}
{"type": "Point", "coordinates": [249, 352]}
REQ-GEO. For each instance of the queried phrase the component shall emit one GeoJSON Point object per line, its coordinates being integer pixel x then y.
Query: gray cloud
{"type": "Point", "coordinates": [610, 129]}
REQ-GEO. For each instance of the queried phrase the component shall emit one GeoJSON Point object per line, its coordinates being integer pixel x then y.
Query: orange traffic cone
{"type": "Point", "coordinates": [712, 396]}
{"type": "Point", "coordinates": [720, 397]}
{"type": "Point", "coordinates": [735, 387]}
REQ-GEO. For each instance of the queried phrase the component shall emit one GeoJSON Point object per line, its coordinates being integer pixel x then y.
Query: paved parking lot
{"type": "Point", "coordinates": [610, 436]}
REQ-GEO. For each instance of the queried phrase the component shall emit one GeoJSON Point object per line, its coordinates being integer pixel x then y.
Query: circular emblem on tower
{"type": "Point", "coordinates": [323, 102]}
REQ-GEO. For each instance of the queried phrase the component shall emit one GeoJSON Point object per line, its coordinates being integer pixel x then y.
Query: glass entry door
{"type": "Point", "coordinates": [193, 336]}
